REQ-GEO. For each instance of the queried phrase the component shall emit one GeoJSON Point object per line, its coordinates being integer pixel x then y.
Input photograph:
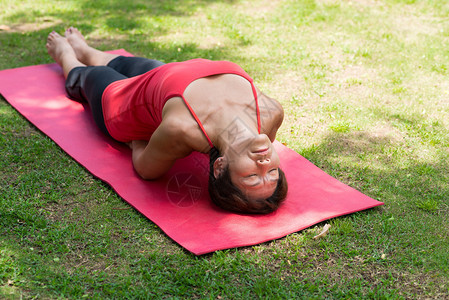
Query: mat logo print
{"type": "Point", "coordinates": [184, 189]}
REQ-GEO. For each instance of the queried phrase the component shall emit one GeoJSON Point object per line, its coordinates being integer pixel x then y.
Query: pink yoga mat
{"type": "Point", "coordinates": [178, 203]}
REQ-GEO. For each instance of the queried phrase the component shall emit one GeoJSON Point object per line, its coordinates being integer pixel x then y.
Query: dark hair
{"type": "Point", "coordinates": [226, 195]}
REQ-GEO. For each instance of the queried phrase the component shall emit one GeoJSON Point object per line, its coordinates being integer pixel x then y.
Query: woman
{"type": "Point", "coordinates": [166, 111]}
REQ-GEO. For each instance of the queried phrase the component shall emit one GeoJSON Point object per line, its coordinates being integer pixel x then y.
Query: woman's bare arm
{"type": "Point", "coordinates": [154, 158]}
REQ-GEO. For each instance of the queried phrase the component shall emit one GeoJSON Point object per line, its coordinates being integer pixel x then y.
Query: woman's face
{"type": "Point", "coordinates": [254, 167]}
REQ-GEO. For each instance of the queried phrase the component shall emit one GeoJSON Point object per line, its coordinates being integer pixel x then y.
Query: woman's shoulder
{"type": "Point", "coordinates": [270, 109]}
{"type": "Point", "coordinates": [271, 115]}
{"type": "Point", "coordinates": [182, 129]}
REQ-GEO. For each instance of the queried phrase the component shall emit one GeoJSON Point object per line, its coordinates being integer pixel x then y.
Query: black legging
{"type": "Point", "coordinates": [88, 83]}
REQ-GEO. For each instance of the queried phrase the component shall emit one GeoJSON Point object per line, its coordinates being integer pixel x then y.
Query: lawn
{"type": "Point", "coordinates": [365, 89]}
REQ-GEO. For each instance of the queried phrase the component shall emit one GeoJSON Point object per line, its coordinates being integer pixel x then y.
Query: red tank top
{"type": "Point", "coordinates": [132, 107]}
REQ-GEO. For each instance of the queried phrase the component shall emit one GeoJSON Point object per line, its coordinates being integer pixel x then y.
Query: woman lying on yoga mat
{"type": "Point", "coordinates": [166, 111]}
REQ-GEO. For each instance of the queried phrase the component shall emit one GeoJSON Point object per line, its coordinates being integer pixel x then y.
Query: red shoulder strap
{"type": "Point", "coordinates": [198, 121]}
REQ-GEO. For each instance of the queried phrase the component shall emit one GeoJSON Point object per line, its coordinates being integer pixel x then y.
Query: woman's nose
{"type": "Point", "coordinates": [263, 161]}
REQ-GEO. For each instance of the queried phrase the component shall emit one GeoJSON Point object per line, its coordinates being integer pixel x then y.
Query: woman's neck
{"type": "Point", "coordinates": [236, 135]}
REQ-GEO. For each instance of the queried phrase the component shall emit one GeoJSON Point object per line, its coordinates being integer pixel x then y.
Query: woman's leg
{"type": "Point", "coordinates": [133, 66]}
{"type": "Point", "coordinates": [84, 53]}
{"type": "Point", "coordinates": [83, 83]}
{"type": "Point", "coordinates": [88, 84]}
{"type": "Point", "coordinates": [128, 66]}
{"type": "Point", "coordinates": [85, 70]}
{"type": "Point", "coordinates": [61, 51]}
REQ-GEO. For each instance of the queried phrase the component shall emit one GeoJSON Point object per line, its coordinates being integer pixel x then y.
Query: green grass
{"type": "Point", "coordinates": [365, 89]}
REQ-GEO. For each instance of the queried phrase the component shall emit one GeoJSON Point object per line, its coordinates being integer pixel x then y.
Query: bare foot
{"type": "Point", "coordinates": [60, 50]}
{"type": "Point", "coordinates": [58, 47]}
{"type": "Point", "coordinates": [79, 44]}
{"type": "Point", "coordinates": [84, 53]}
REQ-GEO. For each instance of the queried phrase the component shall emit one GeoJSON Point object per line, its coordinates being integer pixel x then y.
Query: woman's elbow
{"type": "Point", "coordinates": [146, 174]}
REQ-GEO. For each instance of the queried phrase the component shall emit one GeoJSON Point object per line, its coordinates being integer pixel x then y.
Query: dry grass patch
{"type": "Point", "coordinates": [40, 24]}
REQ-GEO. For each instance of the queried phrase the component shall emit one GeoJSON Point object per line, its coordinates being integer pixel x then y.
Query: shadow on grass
{"type": "Point", "coordinates": [121, 10]}
{"type": "Point", "coordinates": [385, 168]}
{"type": "Point", "coordinates": [416, 189]}
{"type": "Point", "coordinates": [132, 23]}
{"type": "Point", "coordinates": [15, 55]}
{"type": "Point", "coordinates": [116, 15]}
{"type": "Point", "coordinates": [393, 167]}
{"type": "Point", "coordinates": [133, 26]}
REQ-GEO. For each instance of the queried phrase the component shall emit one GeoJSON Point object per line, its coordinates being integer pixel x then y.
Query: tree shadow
{"type": "Point", "coordinates": [134, 25]}
{"type": "Point", "coordinates": [116, 15]}
{"type": "Point", "coordinates": [111, 8]}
